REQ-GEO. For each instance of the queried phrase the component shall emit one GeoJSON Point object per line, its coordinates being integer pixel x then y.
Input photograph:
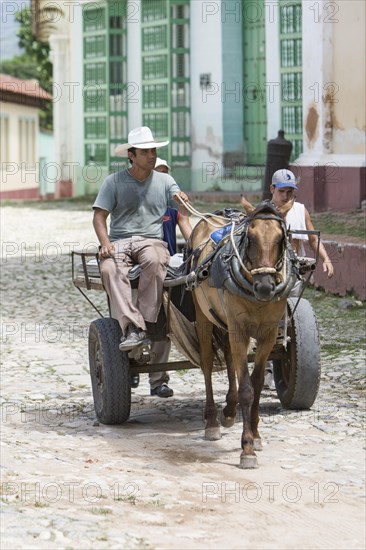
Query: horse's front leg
{"type": "Point", "coordinates": [204, 333]}
{"type": "Point", "coordinates": [248, 458]}
{"type": "Point", "coordinates": [239, 346]}
{"type": "Point", "coordinates": [264, 347]}
{"type": "Point", "coordinates": [229, 412]}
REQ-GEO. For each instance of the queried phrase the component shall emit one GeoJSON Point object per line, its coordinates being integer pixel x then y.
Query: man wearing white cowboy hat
{"type": "Point", "coordinates": [136, 199]}
{"type": "Point", "coordinates": [161, 350]}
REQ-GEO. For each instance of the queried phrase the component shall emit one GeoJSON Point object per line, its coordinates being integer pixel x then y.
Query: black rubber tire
{"type": "Point", "coordinates": [109, 372]}
{"type": "Point", "coordinates": [297, 375]}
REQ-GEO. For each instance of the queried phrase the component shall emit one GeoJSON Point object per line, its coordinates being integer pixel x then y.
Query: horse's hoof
{"type": "Point", "coordinates": [212, 434]}
{"type": "Point", "coordinates": [257, 444]}
{"type": "Point", "coordinates": [248, 462]}
{"type": "Point", "coordinates": [227, 421]}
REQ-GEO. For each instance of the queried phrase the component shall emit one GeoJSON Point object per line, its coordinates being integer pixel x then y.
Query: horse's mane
{"type": "Point", "coordinates": [266, 208]}
{"type": "Point", "coordinates": [229, 213]}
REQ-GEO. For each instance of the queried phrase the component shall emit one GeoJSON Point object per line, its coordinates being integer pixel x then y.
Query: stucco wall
{"type": "Point", "coordinates": [330, 186]}
{"type": "Point", "coordinates": [349, 75]}
{"type": "Point", "coordinates": [15, 174]}
{"type": "Point", "coordinates": [349, 259]}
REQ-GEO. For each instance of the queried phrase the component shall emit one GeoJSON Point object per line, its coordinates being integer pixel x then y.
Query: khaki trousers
{"type": "Point", "coordinates": [153, 257]}
{"type": "Point", "coordinates": [159, 354]}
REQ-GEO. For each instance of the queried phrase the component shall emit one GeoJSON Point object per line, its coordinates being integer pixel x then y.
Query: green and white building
{"type": "Point", "coordinates": [218, 79]}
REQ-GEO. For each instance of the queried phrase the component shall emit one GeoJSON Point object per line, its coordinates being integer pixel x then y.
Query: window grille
{"type": "Point", "coordinates": [95, 99]}
{"type": "Point", "coordinates": [96, 152]}
{"type": "Point", "coordinates": [93, 19]}
{"type": "Point", "coordinates": [291, 72]}
{"type": "Point", "coordinates": [105, 79]}
{"type": "Point", "coordinates": [166, 75]}
{"type": "Point", "coordinates": [155, 67]}
{"type": "Point", "coordinates": [115, 44]}
{"type": "Point", "coordinates": [154, 38]}
{"type": "Point", "coordinates": [153, 10]}
{"type": "Point", "coordinates": [95, 127]}
{"type": "Point", "coordinates": [157, 121]}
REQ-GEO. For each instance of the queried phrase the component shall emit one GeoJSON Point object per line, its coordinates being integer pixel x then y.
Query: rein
{"type": "Point", "coordinates": [203, 216]}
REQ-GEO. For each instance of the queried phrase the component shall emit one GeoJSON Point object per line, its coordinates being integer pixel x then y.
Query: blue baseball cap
{"type": "Point", "coordinates": [284, 178]}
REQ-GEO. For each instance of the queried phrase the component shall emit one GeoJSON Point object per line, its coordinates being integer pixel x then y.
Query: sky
{"type": "Point", "coordinates": [8, 36]}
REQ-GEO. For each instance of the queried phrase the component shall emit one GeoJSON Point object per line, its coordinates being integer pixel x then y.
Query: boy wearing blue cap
{"type": "Point", "coordinates": [283, 188]}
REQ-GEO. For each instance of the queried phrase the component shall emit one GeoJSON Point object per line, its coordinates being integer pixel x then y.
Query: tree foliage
{"type": "Point", "coordinates": [34, 63]}
{"type": "Point", "coordinates": [19, 66]}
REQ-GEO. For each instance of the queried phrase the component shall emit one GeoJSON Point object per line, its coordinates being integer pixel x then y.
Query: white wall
{"type": "Point", "coordinates": [66, 43]}
{"type": "Point", "coordinates": [273, 79]}
{"type": "Point", "coordinates": [15, 174]}
{"type": "Point", "coordinates": [333, 83]}
{"type": "Point", "coordinates": [76, 92]}
{"type": "Point", "coordinates": [349, 68]}
{"type": "Point", "coordinates": [134, 66]}
{"type": "Point", "coordinates": [206, 109]}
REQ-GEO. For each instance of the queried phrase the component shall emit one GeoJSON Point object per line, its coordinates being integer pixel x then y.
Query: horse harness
{"type": "Point", "coordinates": [224, 266]}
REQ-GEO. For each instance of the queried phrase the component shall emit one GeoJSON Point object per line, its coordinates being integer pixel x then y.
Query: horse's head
{"type": "Point", "coordinates": [262, 249]}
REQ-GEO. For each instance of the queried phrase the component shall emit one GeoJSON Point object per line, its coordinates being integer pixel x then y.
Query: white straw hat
{"type": "Point", "coordinates": [141, 138]}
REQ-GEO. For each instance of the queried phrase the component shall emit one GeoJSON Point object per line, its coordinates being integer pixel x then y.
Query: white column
{"type": "Point", "coordinates": [75, 95]}
{"type": "Point", "coordinates": [61, 108]}
{"type": "Point", "coordinates": [273, 83]}
{"type": "Point", "coordinates": [134, 65]}
{"type": "Point", "coordinates": [206, 108]}
{"type": "Point", "coordinates": [318, 88]}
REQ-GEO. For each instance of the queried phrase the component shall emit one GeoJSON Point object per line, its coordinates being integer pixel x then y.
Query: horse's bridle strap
{"type": "Point", "coordinates": [263, 270]}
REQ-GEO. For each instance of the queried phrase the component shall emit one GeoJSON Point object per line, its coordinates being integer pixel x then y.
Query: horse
{"type": "Point", "coordinates": [242, 286]}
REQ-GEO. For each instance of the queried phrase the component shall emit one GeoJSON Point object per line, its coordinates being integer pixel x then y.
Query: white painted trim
{"type": "Point", "coordinates": [206, 107]}
{"type": "Point", "coordinates": [273, 88]}
{"type": "Point", "coordinates": [134, 67]}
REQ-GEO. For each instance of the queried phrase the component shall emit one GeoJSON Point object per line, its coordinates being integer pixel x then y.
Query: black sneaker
{"type": "Point", "coordinates": [135, 337]}
{"type": "Point", "coordinates": [135, 380]}
{"type": "Point", "coordinates": [162, 391]}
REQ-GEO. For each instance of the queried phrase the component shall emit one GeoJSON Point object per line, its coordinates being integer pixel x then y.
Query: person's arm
{"type": "Point", "coordinates": [100, 227]}
{"type": "Point", "coordinates": [313, 241]}
{"type": "Point", "coordinates": [184, 226]}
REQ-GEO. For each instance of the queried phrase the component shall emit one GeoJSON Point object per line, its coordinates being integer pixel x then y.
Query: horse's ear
{"type": "Point", "coordinates": [248, 207]}
{"type": "Point", "coordinates": [285, 208]}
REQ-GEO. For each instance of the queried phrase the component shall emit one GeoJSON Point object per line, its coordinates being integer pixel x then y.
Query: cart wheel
{"type": "Point", "coordinates": [109, 371]}
{"type": "Point", "coordinates": [297, 374]}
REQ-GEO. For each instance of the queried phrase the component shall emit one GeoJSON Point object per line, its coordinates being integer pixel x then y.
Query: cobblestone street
{"type": "Point", "coordinates": [154, 482]}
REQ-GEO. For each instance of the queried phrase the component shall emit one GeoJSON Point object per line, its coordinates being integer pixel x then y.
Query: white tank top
{"type": "Point", "coordinates": [295, 219]}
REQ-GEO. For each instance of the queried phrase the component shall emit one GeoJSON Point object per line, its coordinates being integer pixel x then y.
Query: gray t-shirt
{"type": "Point", "coordinates": [136, 208]}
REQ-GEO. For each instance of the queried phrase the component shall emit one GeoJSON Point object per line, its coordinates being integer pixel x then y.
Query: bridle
{"type": "Point", "coordinates": [243, 243]}
{"type": "Point", "coordinates": [284, 267]}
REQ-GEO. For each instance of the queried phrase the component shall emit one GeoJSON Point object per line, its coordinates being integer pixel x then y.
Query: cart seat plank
{"type": "Point", "coordinates": [87, 274]}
